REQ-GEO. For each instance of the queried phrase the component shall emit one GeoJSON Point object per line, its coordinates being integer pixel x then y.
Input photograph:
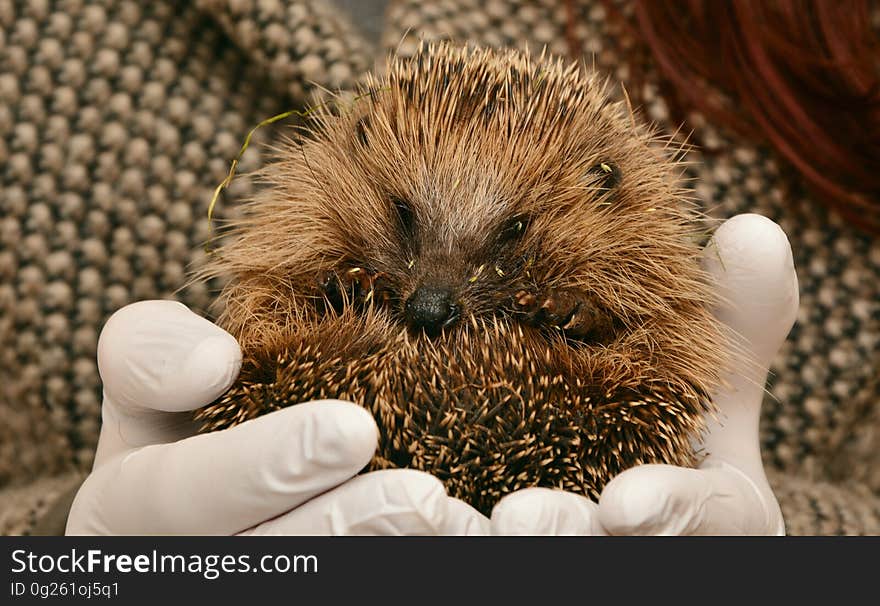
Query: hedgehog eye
{"type": "Point", "coordinates": [606, 175]}
{"type": "Point", "coordinates": [406, 219]}
{"type": "Point", "coordinates": [515, 228]}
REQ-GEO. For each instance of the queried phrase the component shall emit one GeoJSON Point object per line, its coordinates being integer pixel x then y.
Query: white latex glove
{"type": "Point", "coordinates": [288, 472]}
{"type": "Point", "coordinates": [751, 259]}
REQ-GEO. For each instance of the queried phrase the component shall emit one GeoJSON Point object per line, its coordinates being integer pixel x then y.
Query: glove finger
{"type": "Point", "coordinates": [668, 500]}
{"type": "Point", "coordinates": [750, 258]}
{"type": "Point", "coordinates": [464, 520]}
{"type": "Point", "coordinates": [157, 358]}
{"type": "Point", "coordinates": [227, 481]}
{"type": "Point", "coordinates": [158, 355]}
{"type": "Point", "coordinates": [387, 502]}
{"type": "Point", "coordinates": [544, 511]}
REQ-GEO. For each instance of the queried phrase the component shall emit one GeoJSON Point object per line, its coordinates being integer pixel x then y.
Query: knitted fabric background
{"type": "Point", "coordinates": [118, 119]}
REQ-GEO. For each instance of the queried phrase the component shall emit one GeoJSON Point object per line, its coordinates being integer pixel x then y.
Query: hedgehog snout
{"type": "Point", "coordinates": [431, 308]}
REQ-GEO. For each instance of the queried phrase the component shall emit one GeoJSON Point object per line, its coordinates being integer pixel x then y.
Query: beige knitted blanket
{"type": "Point", "coordinates": [118, 118]}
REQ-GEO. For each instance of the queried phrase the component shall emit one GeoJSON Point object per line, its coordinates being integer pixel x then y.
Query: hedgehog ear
{"type": "Point", "coordinates": [606, 176]}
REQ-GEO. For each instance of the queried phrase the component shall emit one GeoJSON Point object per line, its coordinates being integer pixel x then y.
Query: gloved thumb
{"type": "Point", "coordinates": [158, 360]}
{"type": "Point", "coordinates": [751, 259]}
{"type": "Point", "coordinates": [160, 356]}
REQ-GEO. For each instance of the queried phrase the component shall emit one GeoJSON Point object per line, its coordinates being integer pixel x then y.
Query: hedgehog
{"type": "Point", "coordinates": [497, 259]}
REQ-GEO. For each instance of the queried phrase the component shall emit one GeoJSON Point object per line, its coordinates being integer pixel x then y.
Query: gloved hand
{"type": "Point", "coordinates": [288, 472]}
{"type": "Point", "coordinates": [751, 260]}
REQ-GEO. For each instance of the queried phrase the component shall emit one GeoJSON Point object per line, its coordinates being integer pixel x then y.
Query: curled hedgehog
{"type": "Point", "coordinates": [492, 256]}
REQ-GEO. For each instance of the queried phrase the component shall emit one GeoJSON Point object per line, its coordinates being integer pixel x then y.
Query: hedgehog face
{"type": "Point", "coordinates": [474, 207]}
{"type": "Point", "coordinates": [473, 184]}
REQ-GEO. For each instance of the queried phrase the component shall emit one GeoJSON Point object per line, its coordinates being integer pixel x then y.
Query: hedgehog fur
{"type": "Point", "coordinates": [496, 259]}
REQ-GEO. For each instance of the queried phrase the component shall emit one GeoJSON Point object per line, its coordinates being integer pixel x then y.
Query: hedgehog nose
{"type": "Point", "coordinates": [431, 308]}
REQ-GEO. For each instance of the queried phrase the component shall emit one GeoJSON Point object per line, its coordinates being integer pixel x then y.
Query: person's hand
{"type": "Point", "coordinates": [288, 472]}
{"type": "Point", "coordinates": [751, 260]}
